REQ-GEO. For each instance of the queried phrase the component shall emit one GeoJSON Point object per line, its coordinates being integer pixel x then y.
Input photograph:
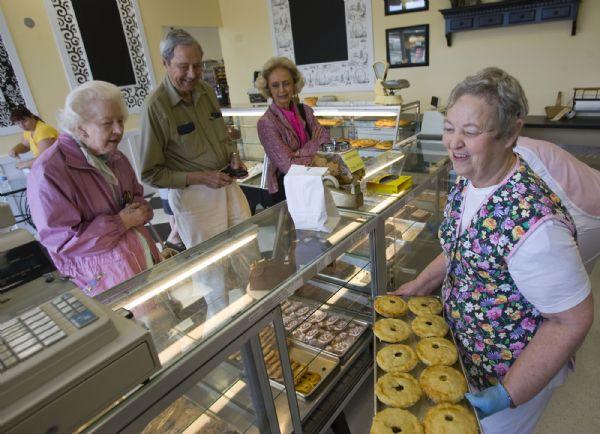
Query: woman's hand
{"type": "Point", "coordinates": [412, 287]}
{"type": "Point", "coordinates": [428, 281]}
{"type": "Point", "coordinates": [136, 214]}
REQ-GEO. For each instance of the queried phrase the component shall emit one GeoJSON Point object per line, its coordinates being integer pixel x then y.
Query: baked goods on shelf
{"type": "Point", "coordinates": [397, 358]}
{"type": "Point", "coordinates": [427, 326]}
{"type": "Point", "coordinates": [450, 419]}
{"type": "Point", "coordinates": [390, 306]}
{"type": "Point", "coordinates": [391, 330]}
{"type": "Point", "coordinates": [362, 143]}
{"type": "Point", "coordinates": [330, 122]}
{"type": "Point", "coordinates": [425, 305]}
{"type": "Point", "coordinates": [340, 269]}
{"type": "Point", "coordinates": [399, 390]}
{"type": "Point", "coordinates": [385, 123]}
{"type": "Point", "coordinates": [443, 384]}
{"type": "Point", "coordinates": [384, 145]}
{"type": "Point", "coordinates": [175, 418]}
{"type": "Point", "coordinates": [294, 313]}
{"type": "Point", "coordinates": [437, 351]}
{"type": "Point", "coordinates": [396, 420]}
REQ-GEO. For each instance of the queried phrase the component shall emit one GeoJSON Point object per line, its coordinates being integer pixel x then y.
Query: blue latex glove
{"type": "Point", "coordinates": [489, 401]}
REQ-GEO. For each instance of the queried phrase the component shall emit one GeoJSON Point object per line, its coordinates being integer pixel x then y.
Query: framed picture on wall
{"type": "Point", "coordinates": [14, 90]}
{"type": "Point", "coordinates": [393, 7]}
{"type": "Point", "coordinates": [407, 46]}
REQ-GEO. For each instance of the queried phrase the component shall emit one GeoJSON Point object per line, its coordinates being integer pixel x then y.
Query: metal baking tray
{"type": "Point", "coordinates": [317, 361]}
{"type": "Point", "coordinates": [421, 407]}
{"type": "Point", "coordinates": [335, 295]}
{"type": "Point", "coordinates": [350, 320]}
{"type": "Point", "coordinates": [359, 278]}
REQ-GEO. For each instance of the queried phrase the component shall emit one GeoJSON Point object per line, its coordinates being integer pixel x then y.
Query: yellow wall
{"type": "Point", "coordinates": [43, 65]}
{"type": "Point", "coordinates": [544, 57]}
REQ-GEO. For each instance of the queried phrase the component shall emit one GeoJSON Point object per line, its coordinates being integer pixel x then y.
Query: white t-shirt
{"type": "Point", "coordinates": [546, 267]}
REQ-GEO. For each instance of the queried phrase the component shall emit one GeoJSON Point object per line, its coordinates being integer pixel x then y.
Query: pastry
{"type": "Point", "coordinates": [355, 331]}
{"type": "Point", "coordinates": [390, 306]}
{"type": "Point", "coordinates": [384, 145]}
{"type": "Point", "coordinates": [437, 351]}
{"type": "Point", "coordinates": [396, 358]}
{"type": "Point", "coordinates": [385, 123]}
{"type": "Point", "coordinates": [399, 390]}
{"type": "Point", "coordinates": [396, 420]}
{"type": "Point", "coordinates": [450, 419]}
{"type": "Point", "coordinates": [175, 418]}
{"type": "Point", "coordinates": [425, 305]}
{"type": "Point", "coordinates": [391, 330]}
{"type": "Point", "coordinates": [443, 384]}
{"type": "Point", "coordinates": [330, 122]}
{"type": "Point", "coordinates": [427, 326]}
{"type": "Point", "coordinates": [362, 143]}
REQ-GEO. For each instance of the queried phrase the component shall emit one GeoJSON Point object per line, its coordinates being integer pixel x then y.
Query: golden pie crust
{"type": "Point", "coordinates": [399, 390]}
{"type": "Point", "coordinates": [390, 306]}
{"type": "Point", "coordinates": [450, 419]}
{"type": "Point", "coordinates": [425, 305]}
{"type": "Point", "coordinates": [427, 326]}
{"type": "Point", "coordinates": [437, 351]}
{"type": "Point", "coordinates": [385, 123]}
{"type": "Point", "coordinates": [330, 122]}
{"type": "Point", "coordinates": [391, 330]}
{"type": "Point", "coordinates": [397, 358]}
{"type": "Point", "coordinates": [362, 143]}
{"type": "Point", "coordinates": [443, 384]}
{"type": "Point", "coordinates": [384, 145]}
{"type": "Point", "coordinates": [395, 420]}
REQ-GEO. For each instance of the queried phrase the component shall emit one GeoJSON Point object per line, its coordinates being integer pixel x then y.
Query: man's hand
{"type": "Point", "coordinates": [234, 133]}
{"type": "Point", "coordinates": [411, 288]}
{"type": "Point", "coordinates": [212, 179]}
{"type": "Point", "coordinates": [136, 214]}
{"type": "Point", "coordinates": [489, 401]}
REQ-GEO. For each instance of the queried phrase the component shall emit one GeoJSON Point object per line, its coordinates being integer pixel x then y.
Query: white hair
{"type": "Point", "coordinates": [262, 81]}
{"type": "Point", "coordinates": [174, 38]}
{"type": "Point", "coordinates": [79, 101]}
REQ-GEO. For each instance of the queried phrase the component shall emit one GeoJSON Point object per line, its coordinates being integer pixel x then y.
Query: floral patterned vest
{"type": "Point", "coordinates": [492, 321]}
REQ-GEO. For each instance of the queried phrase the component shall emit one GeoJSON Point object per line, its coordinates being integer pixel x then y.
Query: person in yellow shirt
{"type": "Point", "coordinates": [37, 135]}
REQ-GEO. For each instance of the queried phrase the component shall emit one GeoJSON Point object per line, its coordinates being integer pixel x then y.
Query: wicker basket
{"type": "Point", "coordinates": [553, 110]}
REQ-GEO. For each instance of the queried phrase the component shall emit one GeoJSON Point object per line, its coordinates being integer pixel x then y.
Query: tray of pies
{"type": "Point", "coordinates": [295, 312]}
{"type": "Point", "coordinates": [362, 143]}
{"type": "Point", "coordinates": [419, 379]}
{"type": "Point", "coordinates": [332, 330]}
{"type": "Point", "coordinates": [330, 122]}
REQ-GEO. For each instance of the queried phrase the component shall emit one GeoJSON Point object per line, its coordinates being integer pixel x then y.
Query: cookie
{"type": "Point", "coordinates": [391, 330]}
{"type": "Point", "coordinates": [425, 305]}
{"type": "Point", "coordinates": [427, 326]}
{"type": "Point", "coordinates": [390, 306]}
{"type": "Point", "coordinates": [399, 390]}
{"type": "Point", "coordinates": [443, 384]}
{"type": "Point", "coordinates": [397, 358]}
{"type": "Point", "coordinates": [396, 420]}
{"type": "Point", "coordinates": [450, 419]}
{"type": "Point", "coordinates": [436, 351]}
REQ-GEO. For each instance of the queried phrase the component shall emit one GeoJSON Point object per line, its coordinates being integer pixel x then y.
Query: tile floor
{"type": "Point", "coordinates": [574, 409]}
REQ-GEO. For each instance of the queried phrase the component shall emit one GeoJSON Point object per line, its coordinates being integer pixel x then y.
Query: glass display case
{"type": "Point", "coordinates": [265, 328]}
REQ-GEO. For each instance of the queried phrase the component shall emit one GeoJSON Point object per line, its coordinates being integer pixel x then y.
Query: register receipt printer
{"type": "Point", "coordinates": [64, 359]}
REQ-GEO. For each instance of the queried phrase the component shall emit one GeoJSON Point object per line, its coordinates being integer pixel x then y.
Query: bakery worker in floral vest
{"type": "Point", "coordinates": [515, 291]}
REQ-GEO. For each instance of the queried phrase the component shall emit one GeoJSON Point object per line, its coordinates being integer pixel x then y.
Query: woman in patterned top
{"type": "Point", "coordinates": [515, 291]}
{"type": "Point", "coordinates": [288, 131]}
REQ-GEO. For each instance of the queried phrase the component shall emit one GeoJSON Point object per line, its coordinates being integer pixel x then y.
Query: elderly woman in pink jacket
{"type": "Point", "coordinates": [85, 200]}
{"type": "Point", "coordinates": [288, 131]}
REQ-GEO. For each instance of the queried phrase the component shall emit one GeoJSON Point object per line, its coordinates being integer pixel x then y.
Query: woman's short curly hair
{"type": "Point", "coordinates": [262, 81]}
{"type": "Point", "coordinates": [501, 91]}
{"type": "Point", "coordinates": [79, 103]}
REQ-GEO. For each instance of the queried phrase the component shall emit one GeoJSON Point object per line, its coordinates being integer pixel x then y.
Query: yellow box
{"type": "Point", "coordinates": [393, 184]}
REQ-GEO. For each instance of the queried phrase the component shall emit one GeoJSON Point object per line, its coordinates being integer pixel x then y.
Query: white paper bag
{"type": "Point", "coordinates": [309, 202]}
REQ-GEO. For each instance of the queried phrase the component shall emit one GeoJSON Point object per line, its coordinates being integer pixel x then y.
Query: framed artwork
{"type": "Point", "coordinates": [14, 90]}
{"type": "Point", "coordinates": [104, 40]}
{"type": "Point", "coordinates": [407, 46]}
{"type": "Point", "coordinates": [393, 7]}
{"type": "Point", "coordinates": [343, 64]}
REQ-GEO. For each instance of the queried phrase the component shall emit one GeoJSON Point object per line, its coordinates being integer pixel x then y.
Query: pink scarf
{"type": "Point", "coordinates": [294, 120]}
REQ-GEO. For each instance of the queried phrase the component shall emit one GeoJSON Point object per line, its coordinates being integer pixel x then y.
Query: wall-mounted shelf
{"type": "Point", "coordinates": [508, 13]}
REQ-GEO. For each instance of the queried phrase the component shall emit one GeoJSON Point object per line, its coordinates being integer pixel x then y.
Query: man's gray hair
{"type": "Point", "coordinates": [174, 38]}
{"type": "Point", "coordinates": [501, 91]}
{"type": "Point", "coordinates": [262, 81]}
{"type": "Point", "coordinates": [80, 102]}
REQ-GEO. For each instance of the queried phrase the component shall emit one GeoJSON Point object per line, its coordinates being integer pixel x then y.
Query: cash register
{"type": "Point", "coordinates": [64, 358]}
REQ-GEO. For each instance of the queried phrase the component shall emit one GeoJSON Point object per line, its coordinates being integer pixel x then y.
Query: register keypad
{"type": "Point", "coordinates": [24, 336]}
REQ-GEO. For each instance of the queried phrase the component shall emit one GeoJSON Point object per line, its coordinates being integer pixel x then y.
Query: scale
{"type": "Point", "coordinates": [346, 169]}
{"type": "Point", "coordinates": [386, 91]}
